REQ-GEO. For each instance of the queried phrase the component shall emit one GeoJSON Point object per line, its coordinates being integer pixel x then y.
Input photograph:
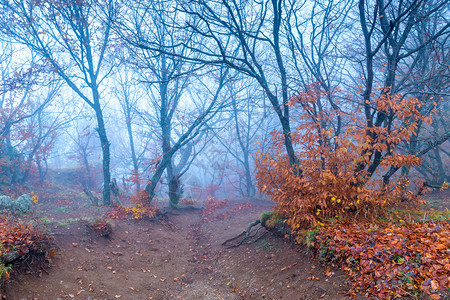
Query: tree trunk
{"type": "Point", "coordinates": [133, 154]}
{"type": "Point", "coordinates": [250, 188]}
{"type": "Point", "coordinates": [92, 198]}
{"type": "Point", "coordinates": [174, 189]}
{"type": "Point", "coordinates": [440, 176]}
{"type": "Point", "coordinates": [293, 161]}
{"type": "Point", "coordinates": [42, 171]}
{"type": "Point", "coordinates": [151, 186]}
{"type": "Point", "coordinates": [115, 191]}
{"type": "Point", "coordinates": [105, 152]}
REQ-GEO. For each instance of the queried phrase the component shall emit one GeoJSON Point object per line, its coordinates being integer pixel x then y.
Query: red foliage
{"type": "Point", "coordinates": [389, 260]}
{"type": "Point", "coordinates": [15, 190]}
{"type": "Point", "coordinates": [134, 177]}
{"type": "Point", "coordinates": [335, 177]}
{"type": "Point", "coordinates": [101, 227]}
{"type": "Point", "coordinates": [212, 209]}
{"type": "Point", "coordinates": [142, 197]}
{"type": "Point", "coordinates": [188, 201]}
{"type": "Point", "coordinates": [22, 238]}
{"type": "Point", "coordinates": [212, 205]}
{"type": "Point", "coordinates": [118, 212]}
{"type": "Point", "coordinates": [64, 202]}
{"type": "Point", "coordinates": [344, 173]}
{"type": "Point", "coordinates": [142, 208]}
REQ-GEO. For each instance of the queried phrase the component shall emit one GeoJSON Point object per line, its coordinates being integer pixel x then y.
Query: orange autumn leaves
{"type": "Point", "coordinates": [389, 260]}
{"type": "Point", "coordinates": [346, 164]}
{"type": "Point", "coordinates": [341, 193]}
{"type": "Point", "coordinates": [141, 208]}
{"type": "Point", "coordinates": [22, 239]}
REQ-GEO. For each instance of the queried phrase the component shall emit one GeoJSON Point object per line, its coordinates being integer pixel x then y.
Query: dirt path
{"type": "Point", "coordinates": [148, 260]}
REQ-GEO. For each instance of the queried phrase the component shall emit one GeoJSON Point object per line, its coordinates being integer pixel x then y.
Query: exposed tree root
{"type": "Point", "coordinates": [94, 200]}
{"type": "Point", "coordinates": [162, 216]}
{"type": "Point", "coordinates": [249, 236]}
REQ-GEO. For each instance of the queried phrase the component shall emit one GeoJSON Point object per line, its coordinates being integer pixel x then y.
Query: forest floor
{"type": "Point", "coordinates": [182, 259]}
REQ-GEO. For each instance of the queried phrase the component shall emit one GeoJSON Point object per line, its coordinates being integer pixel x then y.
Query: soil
{"type": "Point", "coordinates": [181, 259]}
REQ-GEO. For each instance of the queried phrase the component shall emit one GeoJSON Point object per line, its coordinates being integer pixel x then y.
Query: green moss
{"type": "Point", "coordinates": [422, 215]}
{"type": "Point", "coordinates": [309, 236]}
{"type": "Point", "coordinates": [61, 209]}
{"type": "Point", "coordinates": [65, 222]}
{"type": "Point", "coordinates": [275, 221]}
{"type": "Point", "coordinates": [266, 216]}
{"type": "Point", "coordinates": [4, 270]}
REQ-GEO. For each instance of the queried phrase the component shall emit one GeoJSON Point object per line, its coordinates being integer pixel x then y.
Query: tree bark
{"type": "Point", "coordinates": [250, 188]}
{"type": "Point", "coordinates": [174, 189]}
{"type": "Point", "coordinates": [101, 130]}
{"type": "Point", "coordinates": [133, 155]}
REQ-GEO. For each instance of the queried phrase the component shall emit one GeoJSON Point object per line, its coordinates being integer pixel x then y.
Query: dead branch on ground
{"type": "Point", "coordinates": [249, 236]}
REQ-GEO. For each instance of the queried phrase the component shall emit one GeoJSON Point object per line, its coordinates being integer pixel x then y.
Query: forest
{"type": "Point", "coordinates": [224, 149]}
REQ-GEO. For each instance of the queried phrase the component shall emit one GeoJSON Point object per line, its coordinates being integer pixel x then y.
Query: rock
{"type": "Point", "coordinates": [10, 257]}
{"type": "Point", "coordinates": [22, 204]}
{"type": "Point", "coordinates": [5, 202]}
{"type": "Point", "coordinates": [19, 206]}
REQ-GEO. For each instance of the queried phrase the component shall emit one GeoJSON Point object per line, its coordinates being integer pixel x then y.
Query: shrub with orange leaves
{"type": "Point", "coordinates": [344, 174]}
{"type": "Point", "coordinates": [142, 197]}
{"type": "Point", "coordinates": [19, 240]}
{"type": "Point", "coordinates": [339, 170]}
{"type": "Point", "coordinates": [100, 226]}
{"type": "Point", "coordinates": [141, 208]}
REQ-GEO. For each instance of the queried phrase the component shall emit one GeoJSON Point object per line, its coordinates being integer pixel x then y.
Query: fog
{"type": "Point", "coordinates": [177, 97]}
{"type": "Point", "coordinates": [205, 149]}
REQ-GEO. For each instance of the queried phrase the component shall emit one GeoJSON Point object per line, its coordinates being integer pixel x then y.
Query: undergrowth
{"type": "Point", "coordinates": [141, 208]}
{"type": "Point", "coordinates": [387, 259]}
{"type": "Point", "coordinates": [20, 241]}
{"type": "Point", "coordinates": [99, 226]}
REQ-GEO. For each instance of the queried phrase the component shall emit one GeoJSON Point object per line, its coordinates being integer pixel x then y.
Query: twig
{"type": "Point", "coordinates": [322, 289]}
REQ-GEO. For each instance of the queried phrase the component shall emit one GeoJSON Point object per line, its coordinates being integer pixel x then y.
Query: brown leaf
{"type": "Point", "coordinates": [434, 284]}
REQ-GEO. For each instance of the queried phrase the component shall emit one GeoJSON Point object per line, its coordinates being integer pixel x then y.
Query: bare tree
{"type": "Point", "coordinates": [315, 32]}
{"type": "Point", "coordinates": [179, 122]}
{"type": "Point", "coordinates": [194, 125]}
{"type": "Point", "coordinates": [128, 93]}
{"type": "Point", "coordinates": [243, 36]}
{"type": "Point", "coordinates": [387, 30]}
{"type": "Point", "coordinates": [26, 91]}
{"type": "Point", "coordinates": [72, 38]}
{"type": "Point", "coordinates": [425, 76]}
{"type": "Point", "coordinates": [241, 129]}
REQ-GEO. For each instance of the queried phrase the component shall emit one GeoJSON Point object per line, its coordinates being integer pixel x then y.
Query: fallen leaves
{"type": "Point", "coordinates": [328, 273]}
{"type": "Point", "coordinates": [390, 260]}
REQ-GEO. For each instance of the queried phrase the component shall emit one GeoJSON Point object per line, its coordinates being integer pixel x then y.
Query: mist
{"type": "Point", "coordinates": [146, 109]}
